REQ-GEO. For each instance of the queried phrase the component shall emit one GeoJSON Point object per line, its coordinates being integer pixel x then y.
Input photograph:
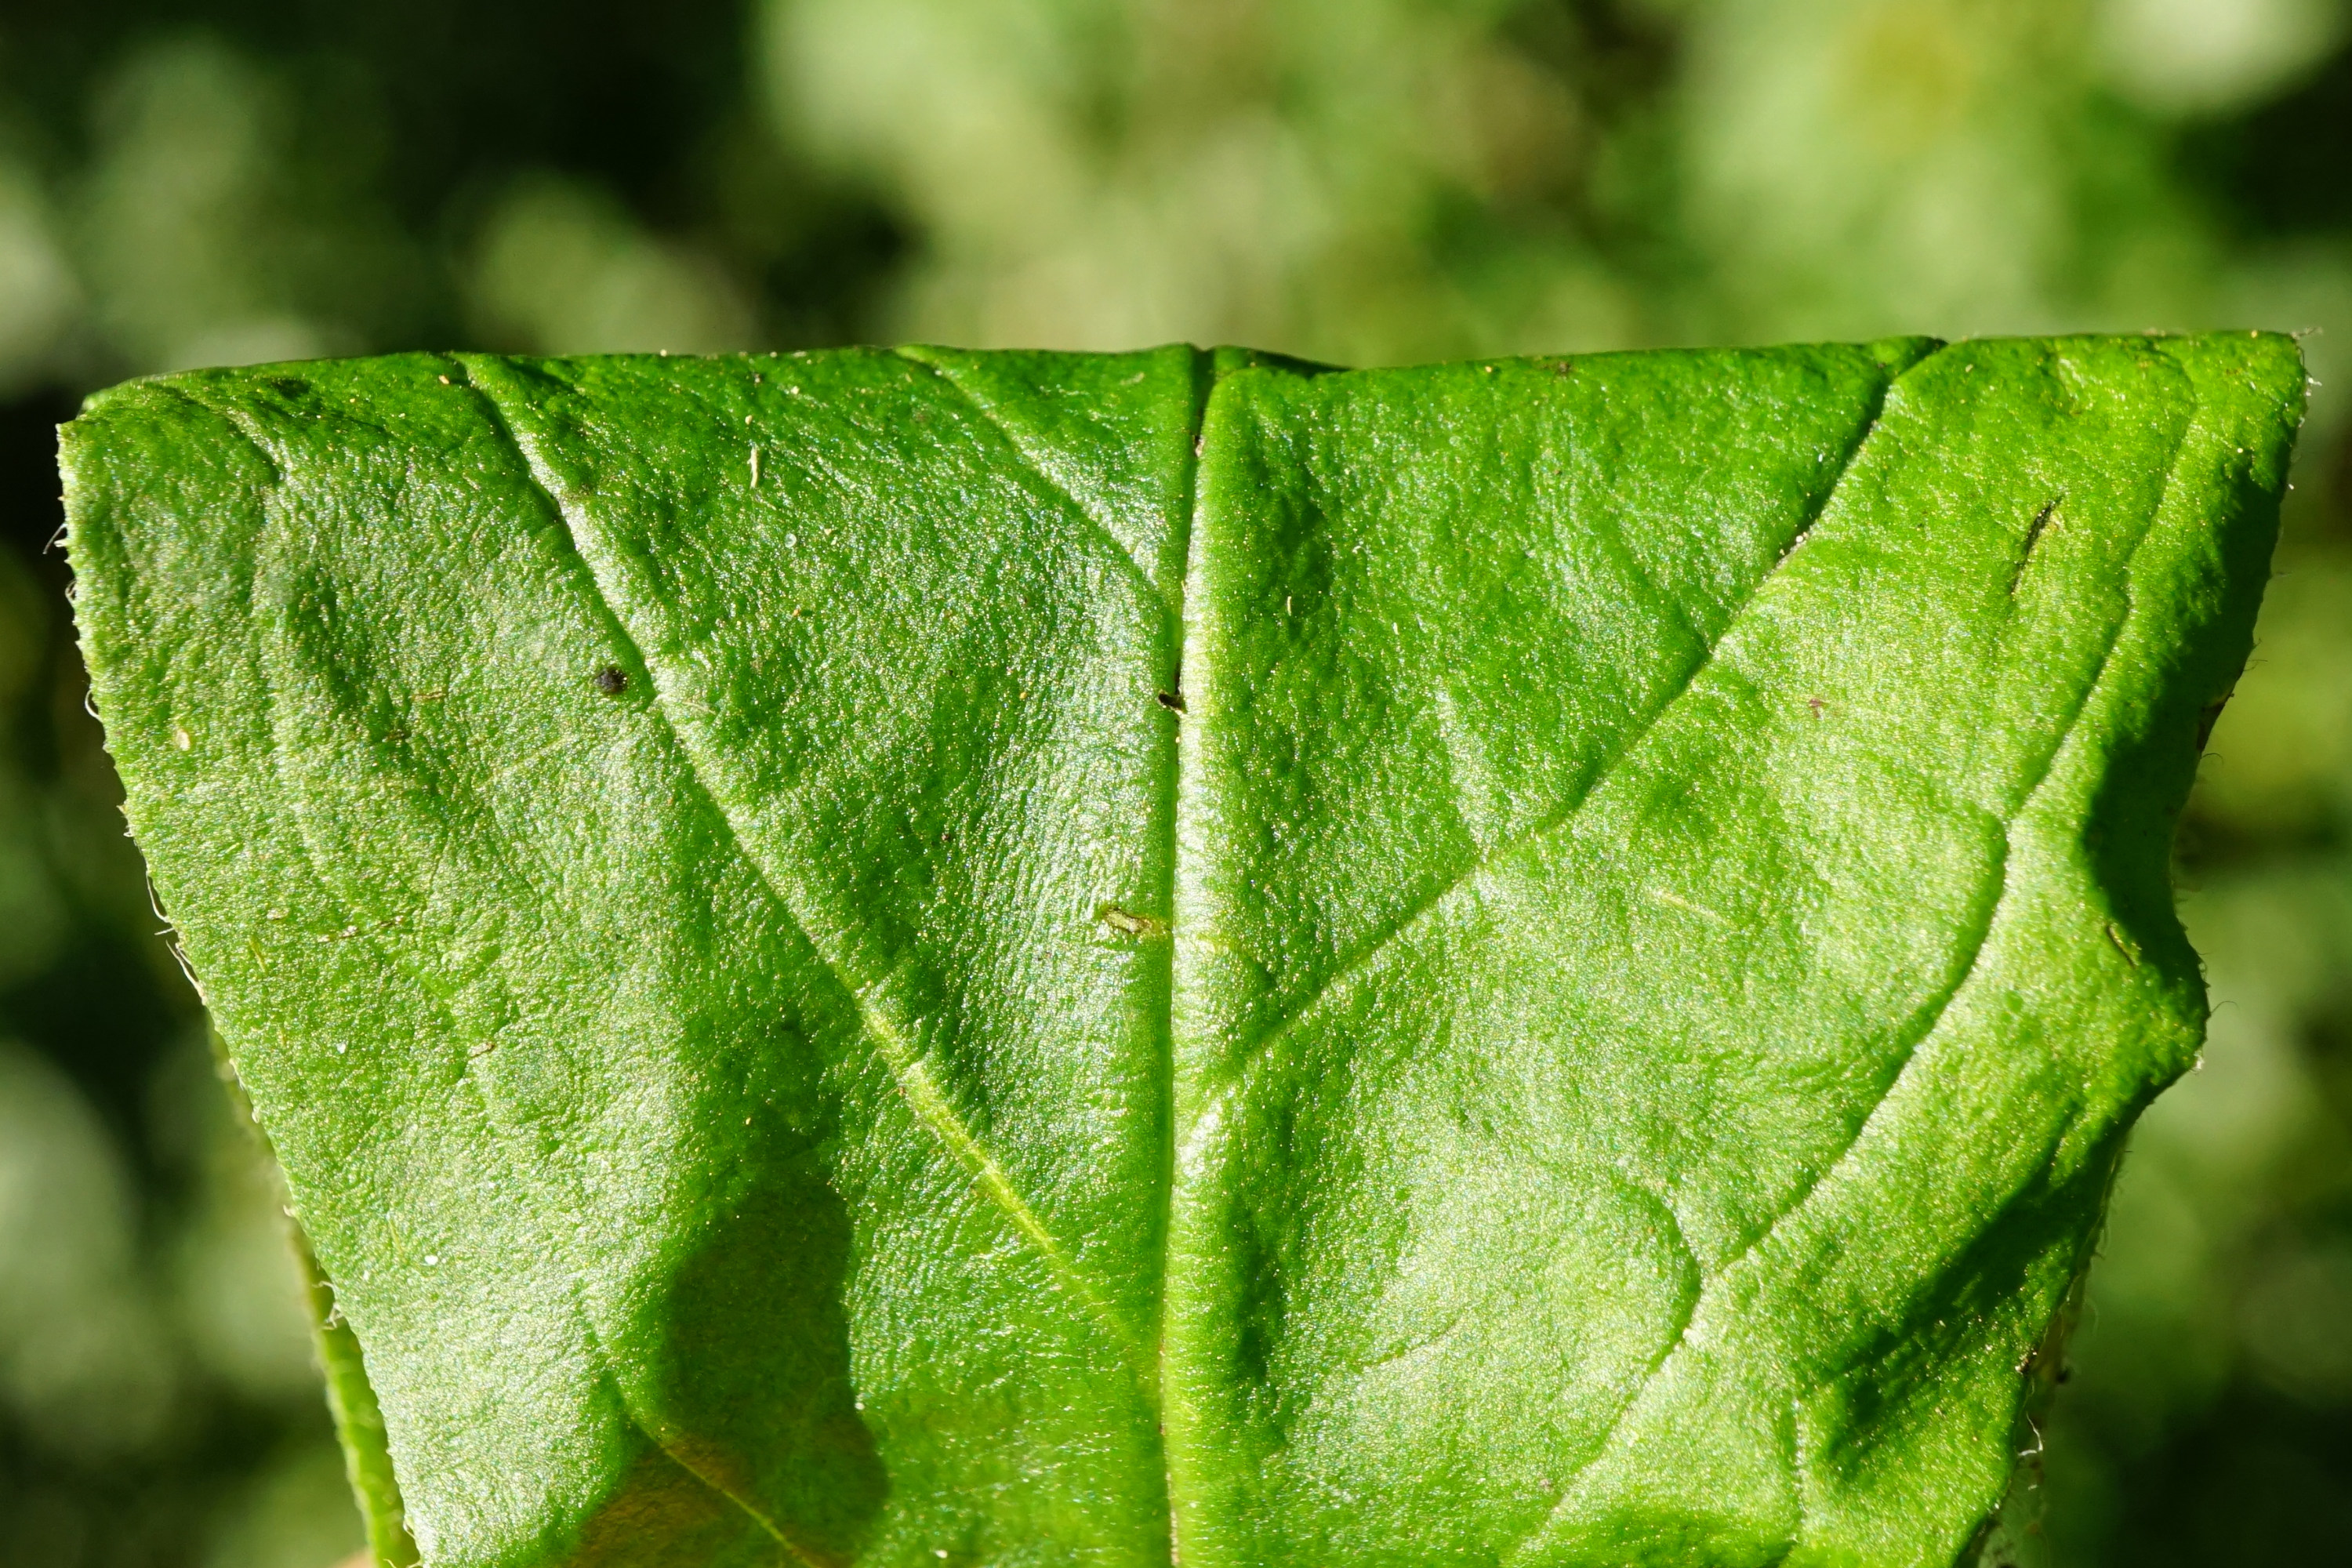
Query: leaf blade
{"type": "Point", "coordinates": [848, 1073]}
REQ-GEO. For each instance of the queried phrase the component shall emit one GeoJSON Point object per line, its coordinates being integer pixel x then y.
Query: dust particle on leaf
{"type": "Point", "coordinates": [1130, 924]}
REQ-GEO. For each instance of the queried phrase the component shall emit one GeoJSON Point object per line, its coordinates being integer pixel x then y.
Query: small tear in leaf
{"type": "Point", "coordinates": [2033, 532]}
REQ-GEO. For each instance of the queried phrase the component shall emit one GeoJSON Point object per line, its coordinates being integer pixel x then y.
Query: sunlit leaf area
{"type": "Point", "coordinates": [1359, 180]}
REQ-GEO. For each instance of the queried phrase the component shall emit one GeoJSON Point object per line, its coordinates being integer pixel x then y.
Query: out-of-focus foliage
{"type": "Point", "coordinates": [206, 181]}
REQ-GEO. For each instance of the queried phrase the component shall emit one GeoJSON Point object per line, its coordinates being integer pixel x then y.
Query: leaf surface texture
{"type": "Point", "coordinates": [1036, 959]}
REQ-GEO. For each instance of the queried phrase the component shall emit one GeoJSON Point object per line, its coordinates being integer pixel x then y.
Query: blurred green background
{"type": "Point", "coordinates": [1354, 180]}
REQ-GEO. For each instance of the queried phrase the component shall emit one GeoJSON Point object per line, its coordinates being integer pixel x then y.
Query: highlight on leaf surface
{"type": "Point", "coordinates": [892, 958]}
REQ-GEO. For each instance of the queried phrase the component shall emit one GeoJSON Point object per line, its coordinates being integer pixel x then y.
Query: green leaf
{"type": "Point", "coordinates": [1031, 959]}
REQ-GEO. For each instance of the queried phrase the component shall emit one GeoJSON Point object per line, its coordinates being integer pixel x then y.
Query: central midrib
{"type": "Point", "coordinates": [1208, 368]}
{"type": "Point", "coordinates": [1204, 383]}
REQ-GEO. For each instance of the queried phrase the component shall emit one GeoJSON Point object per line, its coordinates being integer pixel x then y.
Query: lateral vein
{"type": "Point", "coordinates": [915, 1083]}
{"type": "Point", "coordinates": [1934, 1021]}
{"type": "Point", "coordinates": [1420, 909]}
{"type": "Point", "coordinates": [1030, 462]}
{"type": "Point", "coordinates": [467, 1080]}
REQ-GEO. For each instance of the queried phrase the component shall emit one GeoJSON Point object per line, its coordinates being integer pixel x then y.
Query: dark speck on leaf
{"type": "Point", "coordinates": [288, 385]}
{"type": "Point", "coordinates": [611, 681]}
{"type": "Point", "coordinates": [1171, 700]}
